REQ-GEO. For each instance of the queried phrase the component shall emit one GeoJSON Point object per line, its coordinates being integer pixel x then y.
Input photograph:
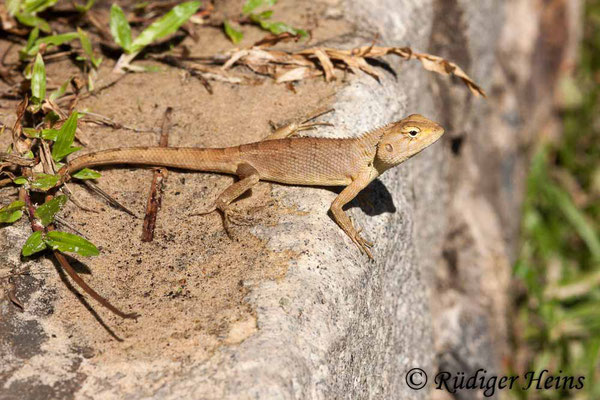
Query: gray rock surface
{"type": "Point", "coordinates": [336, 325]}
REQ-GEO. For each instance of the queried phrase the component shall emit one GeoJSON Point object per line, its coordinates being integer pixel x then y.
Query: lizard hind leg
{"type": "Point", "coordinates": [301, 124]}
{"type": "Point", "coordinates": [249, 177]}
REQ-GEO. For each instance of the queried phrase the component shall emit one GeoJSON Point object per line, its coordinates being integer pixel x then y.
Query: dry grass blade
{"type": "Point", "coordinates": [12, 295]}
{"type": "Point", "coordinates": [18, 144]}
{"type": "Point", "coordinates": [113, 202]}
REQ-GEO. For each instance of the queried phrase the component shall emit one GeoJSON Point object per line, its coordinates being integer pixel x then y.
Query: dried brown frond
{"type": "Point", "coordinates": [286, 66]}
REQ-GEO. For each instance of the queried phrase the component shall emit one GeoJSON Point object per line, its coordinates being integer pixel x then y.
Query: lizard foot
{"type": "Point", "coordinates": [231, 217]}
{"type": "Point", "coordinates": [208, 211]}
{"type": "Point", "coordinates": [363, 244]}
{"type": "Point", "coordinates": [294, 127]}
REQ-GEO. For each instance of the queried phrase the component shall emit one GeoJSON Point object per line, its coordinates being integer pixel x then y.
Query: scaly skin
{"type": "Point", "coordinates": [353, 163]}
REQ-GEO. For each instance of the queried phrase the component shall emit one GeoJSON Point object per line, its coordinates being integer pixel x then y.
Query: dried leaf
{"type": "Point", "coordinates": [326, 64]}
{"type": "Point", "coordinates": [296, 74]}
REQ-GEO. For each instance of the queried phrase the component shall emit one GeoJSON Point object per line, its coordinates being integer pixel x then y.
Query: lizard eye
{"type": "Point", "coordinates": [413, 133]}
{"type": "Point", "coordinates": [389, 147]}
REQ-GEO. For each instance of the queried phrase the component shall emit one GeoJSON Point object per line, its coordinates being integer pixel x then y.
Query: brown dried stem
{"type": "Point", "coordinates": [160, 174]}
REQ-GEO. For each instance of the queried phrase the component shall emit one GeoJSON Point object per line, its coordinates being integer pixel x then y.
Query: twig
{"type": "Point", "coordinates": [77, 279]}
{"type": "Point", "coordinates": [160, 174]}
{"type": "Point", "coordinates": [173, 61]}
{"type": "Point", "coordinates": [5, 182]}
{"type": "Point", "coordinates": [16, 160]}
{"type": "Point", "coordinates": [104, 120]}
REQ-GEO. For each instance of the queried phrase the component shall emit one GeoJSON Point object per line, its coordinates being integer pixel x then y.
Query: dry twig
{"type": "Point", "coordinates": [160, 174]}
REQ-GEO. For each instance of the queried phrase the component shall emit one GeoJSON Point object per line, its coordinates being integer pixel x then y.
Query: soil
{"type": "Point", "coordinates": [190, 283]}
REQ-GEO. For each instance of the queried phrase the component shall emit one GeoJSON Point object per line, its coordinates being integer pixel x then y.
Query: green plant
{"type": "Point", "coordinates": [61, 142]}
{"type": "Point", "coordinates": [25, 11]}
{"type": "Point", "coordinates": [559, 261]}
{"type": "Point", "coordinates": [262, 19]}
{"type": "Point", "coordinates": [162, 27]}
{"type": "Point", "coordinates": [84, 8]}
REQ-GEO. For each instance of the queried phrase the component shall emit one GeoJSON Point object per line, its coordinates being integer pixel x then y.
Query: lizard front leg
{"type": "Point", "coordinates": [342, 218]}
{"type": "Point", "coordinates": [249, 177]}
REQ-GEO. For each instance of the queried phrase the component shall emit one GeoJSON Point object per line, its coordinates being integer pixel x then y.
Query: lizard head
{"type": "Point", "coordinates": [405, 138]}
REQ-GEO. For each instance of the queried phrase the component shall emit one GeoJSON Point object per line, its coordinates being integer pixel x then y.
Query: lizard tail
{"type": "Point", "coordinates": [223, 160]}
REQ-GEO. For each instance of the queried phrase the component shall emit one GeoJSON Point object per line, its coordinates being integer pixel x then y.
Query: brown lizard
{"type": "Point", "coordinates": [352, 162]}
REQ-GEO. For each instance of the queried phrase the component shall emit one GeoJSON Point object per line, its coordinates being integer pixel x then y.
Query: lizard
{"type": "Point", "coordinates": [287, 159]}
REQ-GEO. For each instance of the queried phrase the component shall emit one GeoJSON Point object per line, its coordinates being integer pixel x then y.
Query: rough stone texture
{"type": "Point", "coordinates": [330, 324]}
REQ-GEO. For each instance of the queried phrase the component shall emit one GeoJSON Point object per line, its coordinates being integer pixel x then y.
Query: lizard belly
{"type": "Point", "coordinates": [309, 172]}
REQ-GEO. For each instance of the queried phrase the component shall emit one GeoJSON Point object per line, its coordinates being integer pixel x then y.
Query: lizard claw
{"type": "Point", "coordinates": [237, 218]}
{"type": "Point", "coordinates": [305, 126]}
{"type": "Point", "coordinates": [362, 240]}
{"type": "Point", "coordinates": [364, 245]}
{"type": "Point", "coordinates": [231, 217]}
{"type": "Point", "coordinates": [294, 127]}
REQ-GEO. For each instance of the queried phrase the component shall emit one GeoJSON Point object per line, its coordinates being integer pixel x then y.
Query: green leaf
{"type": "Point", "coordinates": [34, 244]}
{"type": "Point", "coordinates": [12, 6]}
{"type": "Point", "coordinates": [49, 134]}
{"type": "Point", "coordinates": [51, 117]}
{"type": "Point", "coordinates": [87, 7]}
{"type": "Point", "coordinates": [60, 92]}
{"type": "Point", "coordinates": [31, 132]}
{"type": "Point", "coordinates": [11, 212]}
{"type": "Point", "coordinates": [251, 5]}
{"type": "Point", "coordinates": [45, 182]}
{"type": "Point", "coordinates": [35, 6]}
{"type": "Point", "coordinates": [20, 180]}
{"type": "Point", "coordinates": [278, 27]}
{"type": "Point", "coordinates": [32, 20]}
{"type": "Point", "coordinates": [234, 34]}
{"type": "Point", "coordinates": [38, 79]}
{"type": "Point", "coordinates": [576, 218]}
{"type": "Point", "coordinates": [166, 25]}
{"type": "Point", "coordinates": [66, 134]}
{"type": "Point", "coordinates": [263, 15]}
{"type": "Point", "coordinates": [46, 211]}
{"type": "Point", "coordinates": [33, 35]}
{"type": "Point", "coordinates": [119, 27]}
{"type": "Point", "coordinates": [86, 173]}
{"type": "Point", "coordinates": [54, 40]}
{"type": "Point", "coordinates": [87, 47]}
{"type": "Point", "coordinates": [67, 242]}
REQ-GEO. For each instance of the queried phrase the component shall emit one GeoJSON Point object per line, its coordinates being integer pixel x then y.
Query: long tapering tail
{"type": "Point", "coordinates": [222, 160]}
